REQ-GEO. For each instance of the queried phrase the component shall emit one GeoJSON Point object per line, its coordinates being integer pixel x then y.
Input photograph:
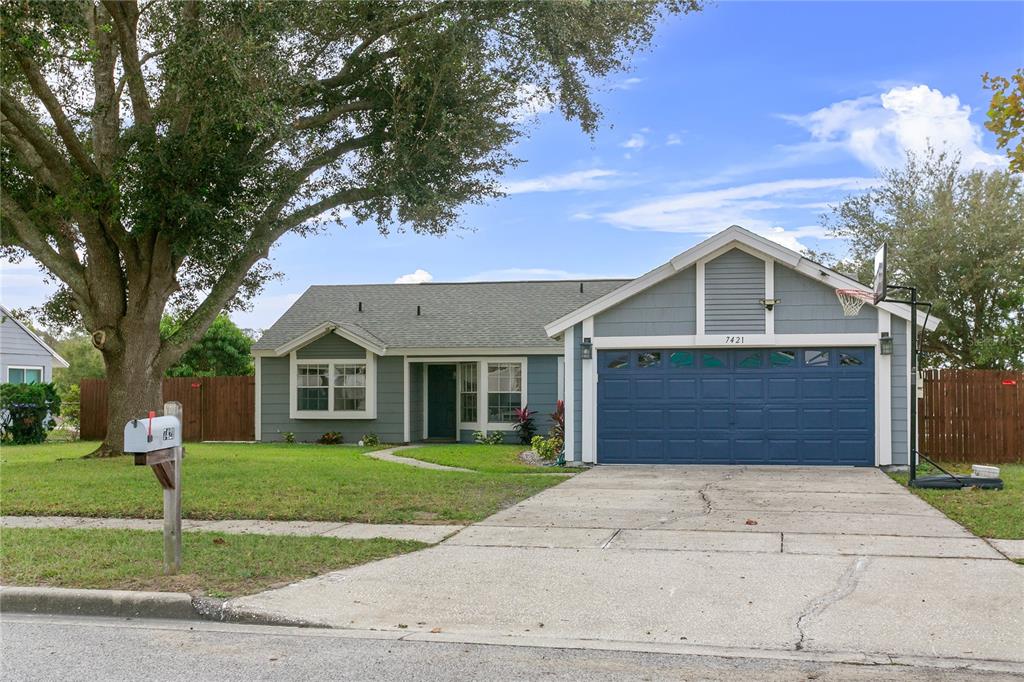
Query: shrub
{"type": "Point", "coordinates": [331, 438]}
{"type": "Point", "coordinates": [70, 406]}
{"type": "Point", "coordinates": [289, 436]}
{"type": "Point", "coordinates": [27, 412]}
{"type": "Point", "coordinates": [371, 440]}
{"type": "Point", "coordinates": [546, 448]}
{"type": "Point", "coordinates": [524, 425]}
{"type": "Point", "coordinates": [492, 438]}
{"type": "Point", "coordinates": [558, 422]}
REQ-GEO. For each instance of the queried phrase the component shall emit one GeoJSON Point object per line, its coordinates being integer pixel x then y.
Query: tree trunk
{"type": "Point", "coordinates": [135, 386]}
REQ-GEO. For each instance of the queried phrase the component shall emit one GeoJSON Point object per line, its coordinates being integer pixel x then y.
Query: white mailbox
{"type": "Point", "coordinates": [152, 433]}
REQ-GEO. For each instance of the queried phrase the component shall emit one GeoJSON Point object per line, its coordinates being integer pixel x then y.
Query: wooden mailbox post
{"type": "Point", "coordinates": [156, 443]}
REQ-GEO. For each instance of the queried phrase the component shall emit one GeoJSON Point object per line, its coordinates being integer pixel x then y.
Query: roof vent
{"type": "Point", "coordinates": [417, 311]}
{"type": "Point", "coordinates": [581, 287]}
{"type": "Point", "coordinates": [360, 306]}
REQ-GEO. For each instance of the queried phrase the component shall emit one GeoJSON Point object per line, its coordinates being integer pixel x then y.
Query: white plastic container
{"type": "Point", "coordinates": [982, 471]}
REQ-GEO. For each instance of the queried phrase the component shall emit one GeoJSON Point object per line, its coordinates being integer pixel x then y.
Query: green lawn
{"type": "Point", "coordinates": [987, 513]}
{"type": "Point", "coordinates": [215, 564]}
{"type": "Point", "coordinates": [487, 458]}
{"type": "Point", "coordinates": [255, 481]}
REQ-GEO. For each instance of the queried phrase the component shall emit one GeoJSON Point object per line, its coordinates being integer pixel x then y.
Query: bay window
{"type": "Point", "coordinates": [333, 389]}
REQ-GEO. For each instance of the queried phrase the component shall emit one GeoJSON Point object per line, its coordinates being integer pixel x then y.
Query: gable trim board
{"type": "Point", "coordinates": [733, 237]}
{"type": "Point", "coordinates": [5, 316]}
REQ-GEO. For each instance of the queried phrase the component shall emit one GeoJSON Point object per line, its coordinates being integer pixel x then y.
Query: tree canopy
{"type": "Point", "coordinates": [153, 153]}
{"type": "Point", "coordinates": [224, 350]}
{"type": "Point", "coordinates": [958, 236]}
{"type": "Point", "coordinates": [1006, 115]}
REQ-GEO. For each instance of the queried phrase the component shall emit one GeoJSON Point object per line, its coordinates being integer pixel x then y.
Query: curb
{"type": "Point", "coordinates": [60, 601]}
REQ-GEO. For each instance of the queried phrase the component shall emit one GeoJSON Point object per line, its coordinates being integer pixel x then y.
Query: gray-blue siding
{"type": "Point", "coordinates": [810, 307]}
{"type": "Point", "coordinates": [669, 307]}
{"type": "Point", "coordinates": [733, 287]}
{"type": "Point", "coordinates": [19, 349]}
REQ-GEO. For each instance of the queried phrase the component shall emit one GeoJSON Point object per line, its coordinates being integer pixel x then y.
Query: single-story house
{"type": "Point", "coordinates": [736, 351]}
{"type": "Point", "coordinates": [24, 357]}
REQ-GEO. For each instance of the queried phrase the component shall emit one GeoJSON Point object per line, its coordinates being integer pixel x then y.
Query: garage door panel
{"type": "Point", "coordinates": [723, 406]}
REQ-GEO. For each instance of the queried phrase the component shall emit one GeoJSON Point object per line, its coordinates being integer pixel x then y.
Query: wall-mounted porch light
{"type": "Point", "coordinates": [885, 344]}
{"type": "Point", "coordinates": [586, 349]}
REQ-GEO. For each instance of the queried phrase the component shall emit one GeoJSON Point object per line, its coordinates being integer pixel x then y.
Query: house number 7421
{"type": "Point", "coordinates": [734, 339]}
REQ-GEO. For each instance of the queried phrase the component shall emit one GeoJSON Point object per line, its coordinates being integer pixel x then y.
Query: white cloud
{"type": "Point", "coordinates": [635, 141]}
{"type": "Point", "coordinates": [24, 284]}
{"type": "Point", "coordinates": [876, 129]}
{"type": "Point", "coordinates": [673, 139]}
{"type": "Point", "coordinates": [628, 83]}
{"type": "Point", "coordinates": [416, 277]}
{"type": "Point", "coordinates": [751, 205]}
{"type": "Point", "coordinates": [507, 274]}
{"type": "Point", "coordinates": [531, 101]}
{"type": "Point", "coordinates": [595, 178]}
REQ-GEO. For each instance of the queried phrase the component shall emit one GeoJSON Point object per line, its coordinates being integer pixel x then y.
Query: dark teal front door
{"type": "Point", "coordinates": [441, 401]}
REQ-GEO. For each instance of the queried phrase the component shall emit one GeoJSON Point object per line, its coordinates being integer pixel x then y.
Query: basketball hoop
{"type": "Point", "coordinates": [853, 300]}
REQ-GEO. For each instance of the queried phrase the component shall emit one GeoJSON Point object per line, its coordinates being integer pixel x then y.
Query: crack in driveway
{"type": "Point", "coordinates": [846, 585]}
{"type": "Point", "coordinates": [703, 493]}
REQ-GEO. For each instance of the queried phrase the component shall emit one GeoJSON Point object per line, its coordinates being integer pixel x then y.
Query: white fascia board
{"type": "Point", "coordinates": [734, 341]}
{"type": "Point", "coordinates": [56, 357]}
{"type": "Point", "coordinates": [325, 328]}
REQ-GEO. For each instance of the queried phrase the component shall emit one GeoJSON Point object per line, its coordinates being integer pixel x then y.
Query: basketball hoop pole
{"type": "Point", "coordinates": [912, 454]}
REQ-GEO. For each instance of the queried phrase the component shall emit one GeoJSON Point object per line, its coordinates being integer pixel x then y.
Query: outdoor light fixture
{"type": "Point", "coordinates": [586, 349]}
{"type": "Point", "coordinates": [770, 303]}
{"type": "Point", "coordinates": [885, 344]}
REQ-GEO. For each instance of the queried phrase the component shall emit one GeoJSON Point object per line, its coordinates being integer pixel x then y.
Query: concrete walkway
{"type": "Point", "coordinates": [1014, 549]}
{"type": "Point", "coordinates": [390, 456]}
{"type": "Point", "coordinates": [331, 529]}
{"type": "Point", "coordinates": [824, 564]}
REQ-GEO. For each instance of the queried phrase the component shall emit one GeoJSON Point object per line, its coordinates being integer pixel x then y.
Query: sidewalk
{"type": "Point", "coordinates": [332, 529]}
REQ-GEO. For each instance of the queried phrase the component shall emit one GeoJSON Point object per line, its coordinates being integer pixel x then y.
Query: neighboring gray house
{"type": "Point", "coordinates": [24, 357]}
{"type": "Point", "coordinates": [735, 351]}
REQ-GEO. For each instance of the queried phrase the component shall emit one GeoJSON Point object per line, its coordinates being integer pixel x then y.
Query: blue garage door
{"type": "Point", "coordinates": [749, 406]}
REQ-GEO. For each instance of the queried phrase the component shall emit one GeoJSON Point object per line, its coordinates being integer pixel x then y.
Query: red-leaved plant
{"type": "Point", "coordinates": [524, 424]}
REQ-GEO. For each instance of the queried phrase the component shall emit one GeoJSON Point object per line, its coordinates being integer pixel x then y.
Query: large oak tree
{"type": "Point", "coordinates": [153, 153]}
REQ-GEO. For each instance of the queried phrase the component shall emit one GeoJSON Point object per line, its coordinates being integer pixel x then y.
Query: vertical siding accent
{"type": "Point", "coordinates": [331, 347]}
{"type": "Point", "coordinates": [577, 385]}
{"type": "Point", "coordinates": [733, 287]}
{"type": "Point", "coordinates": [274, 406]}
{"type": "Point", "coordinates": [811, 307]}
{"type": "Point", "coordinates": [667, 308]}
{"type": "Point", "coordinates": [899, 407]}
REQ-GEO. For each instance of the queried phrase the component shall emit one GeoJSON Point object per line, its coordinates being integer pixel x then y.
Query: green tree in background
{"type": "Point", "coordinates": [153, 153]}
{"type": "Point", "coordinates": [84, 361]}
{"type": "Point", "coordinates": [1006, 115]}
{"type": "Point", "coordinates": [958, 236]}
{"type": "Point", "coordinates": [223, 351]}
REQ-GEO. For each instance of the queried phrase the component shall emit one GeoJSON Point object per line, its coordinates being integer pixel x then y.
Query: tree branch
{"type": "Point", "coordinates": [33, 240]}
{"type": "Point", "coordinates": [24, 122]}
{"type": "Point", "coordinates": [67, 133]}
{"type": "Point", "coordinates": [332, 114]}
{"type": "Point", "coordinates": [28, 155]}
{"type": "Point", "coordinates": [125, 14]}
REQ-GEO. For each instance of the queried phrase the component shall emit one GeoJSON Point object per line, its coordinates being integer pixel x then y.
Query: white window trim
{"type": "Point", "coordinates": [523, 395]}
{"type": "Point", "coordinates": [482, 389]}
{"type": "Point", "coordinates": [42, 371]}
{"type": "Point", "coordinates": [371, 388]}
{"type": "Point", "coordinates": [474, 425]}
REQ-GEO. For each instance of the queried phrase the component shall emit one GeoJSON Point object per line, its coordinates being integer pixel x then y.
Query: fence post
{"type": "Point", "coordinates": [172, 501]}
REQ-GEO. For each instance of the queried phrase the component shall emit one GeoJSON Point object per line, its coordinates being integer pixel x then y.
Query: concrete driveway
{"type": "Point", "coordinates": [830, 564]}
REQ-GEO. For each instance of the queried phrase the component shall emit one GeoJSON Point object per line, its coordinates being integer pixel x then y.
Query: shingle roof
{"type": "Point", "coordinates": [462, 315]}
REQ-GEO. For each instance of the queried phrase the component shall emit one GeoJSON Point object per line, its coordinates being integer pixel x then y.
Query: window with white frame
{"type": "Point", "coordinates": [333, 389]}
{"type": "Point", "coordinates": [350, 387]}
{"type": "Point", "coordinates": [468, 392]}
{"type": "Point", "coordinates": [24, 375]}
{"type": "Point", "coordinates": [504, 391]}
{"type": "Point", "coordinates": [311, 385]}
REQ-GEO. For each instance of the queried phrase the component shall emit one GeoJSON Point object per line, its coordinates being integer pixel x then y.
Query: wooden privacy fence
{"type": "Point", "coordinates": [972, 415]}
{"type": "Point", "coordinates": [215, 408]}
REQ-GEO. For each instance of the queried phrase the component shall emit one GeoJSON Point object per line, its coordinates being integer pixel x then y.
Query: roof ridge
{"type": "Point", "coordinates": [494, 281]}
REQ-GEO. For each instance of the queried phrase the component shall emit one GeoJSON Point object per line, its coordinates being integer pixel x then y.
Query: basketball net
{"type": "Point", "coordinates": [853, 300]}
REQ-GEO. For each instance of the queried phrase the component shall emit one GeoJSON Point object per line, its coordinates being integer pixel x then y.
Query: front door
{"type": "Point", "coordinates": [441, 401]}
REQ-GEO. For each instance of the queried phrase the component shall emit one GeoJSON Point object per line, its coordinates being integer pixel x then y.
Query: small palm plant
{"type": "Point", "coordinates": [524, 425]}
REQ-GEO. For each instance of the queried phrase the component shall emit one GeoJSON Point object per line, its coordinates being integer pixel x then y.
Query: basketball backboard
{"type": "Point", "coordinates": [880, 284]}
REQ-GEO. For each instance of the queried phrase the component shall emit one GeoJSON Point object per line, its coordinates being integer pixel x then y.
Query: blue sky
{"type": "Point", "coordinates": [759, 114]}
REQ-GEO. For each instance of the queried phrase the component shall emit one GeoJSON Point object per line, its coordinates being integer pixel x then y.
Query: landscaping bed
{"type": "Point", "coordinates": [485, 458]}
{"type": "Point", "coordinates": [214, 564]}
{"type": "Point", "coordinates": [258, 481]}
{"type": "Point", "coordinates": [986, 513]}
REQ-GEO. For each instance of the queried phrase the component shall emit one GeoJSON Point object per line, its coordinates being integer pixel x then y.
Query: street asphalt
{"type": "Point", "coordinates": [59, 648]}
{"type": "Point", "coordinates": [842, 564]}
